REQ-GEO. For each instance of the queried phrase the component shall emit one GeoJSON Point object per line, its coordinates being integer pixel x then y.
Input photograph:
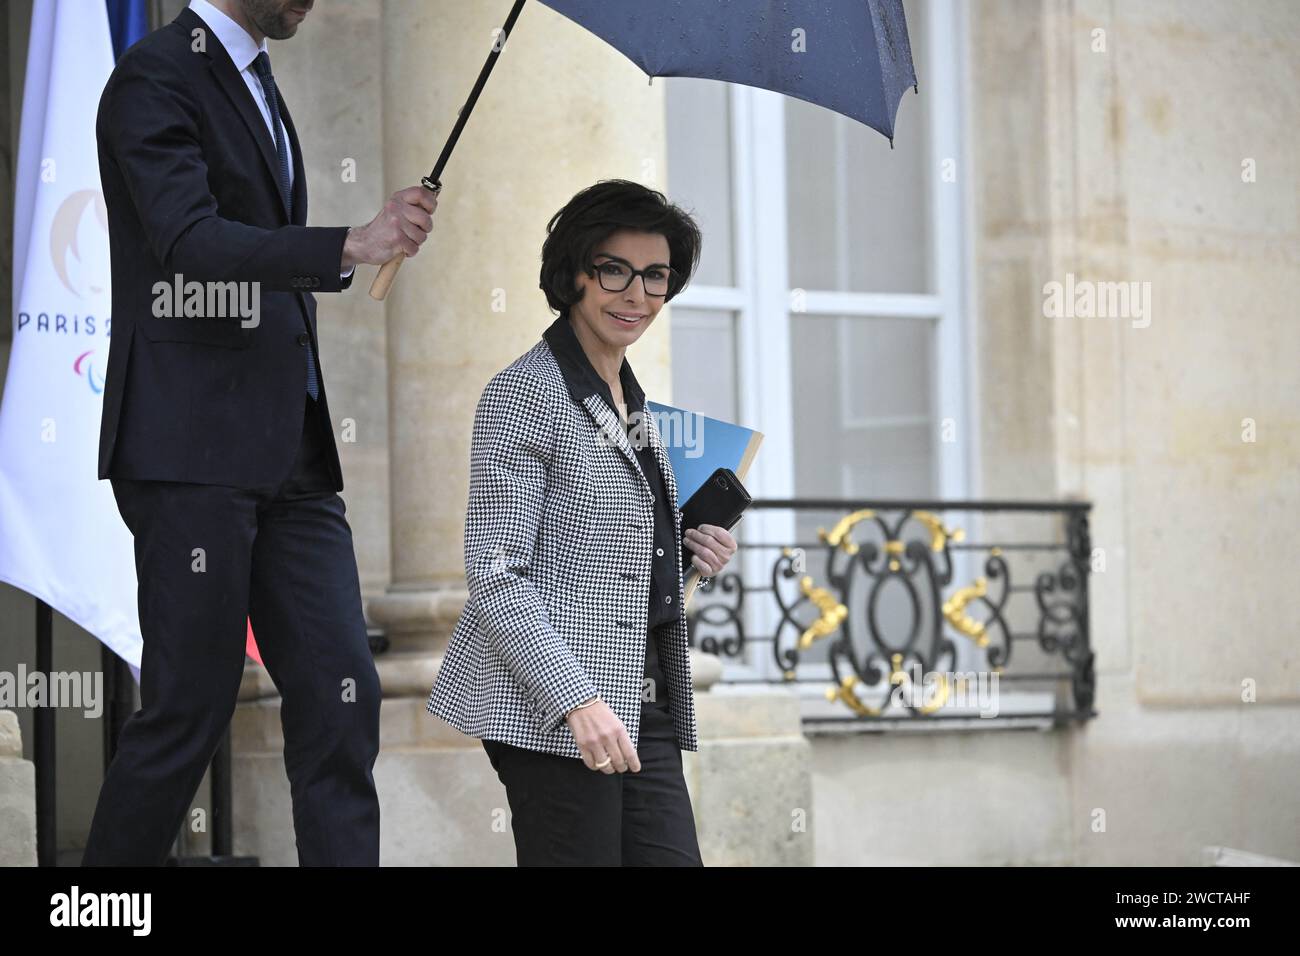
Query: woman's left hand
{"type": "Point", "coordinates": [713, 547]}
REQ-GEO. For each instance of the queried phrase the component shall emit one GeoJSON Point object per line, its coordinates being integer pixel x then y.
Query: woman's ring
{"type": "Point", "coordinates": [604, 763]}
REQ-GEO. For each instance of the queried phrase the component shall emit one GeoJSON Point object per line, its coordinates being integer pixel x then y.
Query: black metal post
{"type": "Point", "coordinates": [43, 749]}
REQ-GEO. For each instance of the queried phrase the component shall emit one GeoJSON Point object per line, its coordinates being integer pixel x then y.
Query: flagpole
{"type": "Point", "coordinates": [47, 853]}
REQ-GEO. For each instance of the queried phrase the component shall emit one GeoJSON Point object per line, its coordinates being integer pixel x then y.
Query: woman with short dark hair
{"type": "Point", "coordinates": [570, 659]}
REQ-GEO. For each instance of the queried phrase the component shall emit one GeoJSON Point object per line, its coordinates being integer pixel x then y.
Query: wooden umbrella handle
{"type": "Point", "coordinates": [388, 271]}
{"type": "Point", "coordinates": [384, 278]}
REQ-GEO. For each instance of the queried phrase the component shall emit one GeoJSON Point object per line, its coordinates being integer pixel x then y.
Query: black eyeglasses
{"type": "Point", "coordinates": [615, 276]}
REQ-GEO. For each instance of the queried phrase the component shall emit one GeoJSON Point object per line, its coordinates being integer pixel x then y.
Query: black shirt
{"type": "Point", "coordinates": [583, 380]}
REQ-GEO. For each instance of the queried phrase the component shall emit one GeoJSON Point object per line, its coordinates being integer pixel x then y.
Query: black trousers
{"type": "Point", "coordinates": [563, 814]}
{"type": "Point", "coordinates": [208, 558]}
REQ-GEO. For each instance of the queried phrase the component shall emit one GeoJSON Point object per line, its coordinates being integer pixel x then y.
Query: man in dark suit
{"type": "Point", "coordinates": [216, 433]}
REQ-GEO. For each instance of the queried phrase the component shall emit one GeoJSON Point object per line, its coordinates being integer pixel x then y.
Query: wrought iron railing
{"type": "Point", "coordinates": [902, 612]}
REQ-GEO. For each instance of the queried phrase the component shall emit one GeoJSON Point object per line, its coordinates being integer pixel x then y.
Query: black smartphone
{"type": "Point", "coordinates": [720, 501]}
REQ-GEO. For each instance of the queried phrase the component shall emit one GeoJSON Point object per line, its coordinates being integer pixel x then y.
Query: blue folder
{"type": "Point", "coordinates": [698, 445]}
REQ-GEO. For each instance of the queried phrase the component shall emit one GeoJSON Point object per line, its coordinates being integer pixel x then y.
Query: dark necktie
{"type": "Point", "coordinates": [262, 66]}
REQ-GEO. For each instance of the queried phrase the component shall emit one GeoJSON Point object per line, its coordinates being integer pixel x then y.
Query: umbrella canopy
{"type": "Point", "coordinates": [851, 56]}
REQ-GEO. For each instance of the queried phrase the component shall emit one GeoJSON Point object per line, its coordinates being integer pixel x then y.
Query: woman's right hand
{"type": "Point", "coordinates": [601, 734]}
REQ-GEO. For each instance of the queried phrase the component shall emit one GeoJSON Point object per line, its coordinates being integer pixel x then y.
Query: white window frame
{"type": "Point", "coordinates": [761, 298]}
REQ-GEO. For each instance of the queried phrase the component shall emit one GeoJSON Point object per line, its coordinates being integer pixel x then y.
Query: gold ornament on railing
{"type": "Point", "coordinates": [939, 534]}
{"type": "Point", "coordinates": [832, 611]}
{"type": "Point", "coordinates": [954, 612]}
{"type": "Point", "coordinates": [897, 676]}
{"type": "Point", "coordinates": [844, 693]}
{"type": "Point", "coordinates": [838, 536]}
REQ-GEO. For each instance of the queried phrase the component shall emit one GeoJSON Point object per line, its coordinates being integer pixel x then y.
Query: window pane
{"type": "Point", "coordinates": [699, 168]}
{"type": "Point", "coordinates": [859, 211]}
{"type": "Point", "coordinates": [863, 428]}
{"type": "Point", "coordinates": [889, 366]}
{"type": "Point", "coordinates": [704, 362]}
{"type": "Point", "coordinates": [863, 424]}
{"type": "Point", "coordinates": [892, 461]}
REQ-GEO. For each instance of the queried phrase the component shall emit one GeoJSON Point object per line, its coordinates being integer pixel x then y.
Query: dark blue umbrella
{"type": "Point", "coordinates": [851, 56]}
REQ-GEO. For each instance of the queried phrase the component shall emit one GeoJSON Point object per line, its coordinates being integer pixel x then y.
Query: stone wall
{"type": "Point", "coordinates": [17, 797]}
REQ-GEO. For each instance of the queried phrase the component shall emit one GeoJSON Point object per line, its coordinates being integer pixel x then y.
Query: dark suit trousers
{"type": "Point", "coordinates": [283, 557]}
{"type": "Point", "coordinates": [564, 814]}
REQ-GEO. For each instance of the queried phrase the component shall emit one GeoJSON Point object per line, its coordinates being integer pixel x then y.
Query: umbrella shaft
{"type": "Point", "coordinates": [468, 108]}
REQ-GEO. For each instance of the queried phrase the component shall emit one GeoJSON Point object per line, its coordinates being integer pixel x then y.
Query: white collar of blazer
{"type": "Point", "coordinates": [589, 391]}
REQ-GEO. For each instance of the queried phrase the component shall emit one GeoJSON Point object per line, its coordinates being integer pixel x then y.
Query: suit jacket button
{"type": "Point", "coordinates": [302, 338]}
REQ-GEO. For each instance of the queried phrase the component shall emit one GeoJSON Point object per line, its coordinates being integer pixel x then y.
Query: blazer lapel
{"type": "Point", "coordinates": [228, 78]}
{"type": "Point", "coordinates": [612, 430]}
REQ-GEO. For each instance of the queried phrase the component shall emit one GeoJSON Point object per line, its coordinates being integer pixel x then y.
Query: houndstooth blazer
{"type": "Point", "coordinates": [558, 540]}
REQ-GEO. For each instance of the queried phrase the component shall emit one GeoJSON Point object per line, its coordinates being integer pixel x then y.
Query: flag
{"type": "Point", "coordinates": [62, 539]}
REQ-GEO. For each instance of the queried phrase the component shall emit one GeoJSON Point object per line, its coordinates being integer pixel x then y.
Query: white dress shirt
{"type": "Point", "coordinates": [243, 51]}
